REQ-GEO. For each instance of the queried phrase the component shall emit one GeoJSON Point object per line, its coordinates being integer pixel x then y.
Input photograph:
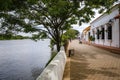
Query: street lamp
{"type": "Point", "coordinates": [111, 21]}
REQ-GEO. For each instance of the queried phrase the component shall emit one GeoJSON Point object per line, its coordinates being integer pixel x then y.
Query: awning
{"type": "Point", "coordinates": [86, 30]}
{"type": "Point", "coordinates": [117, 17]}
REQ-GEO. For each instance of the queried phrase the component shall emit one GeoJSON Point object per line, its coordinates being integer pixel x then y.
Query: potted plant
{"type": "Point", "coordinates": [91, 39]}
{"type": "Point", "coordinates": [100, 32]}
{"type": "Point", "coordinates": [106, 30]}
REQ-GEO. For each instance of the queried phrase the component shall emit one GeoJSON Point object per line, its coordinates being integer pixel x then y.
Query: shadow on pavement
{"type": "Point", "coordinates": [80, 70]}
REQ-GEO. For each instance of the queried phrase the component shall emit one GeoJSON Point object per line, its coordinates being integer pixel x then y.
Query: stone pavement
{"type": "Point", "coordinates": [92, 63]}
{"type": "Point", "coordinates": [109, 48]}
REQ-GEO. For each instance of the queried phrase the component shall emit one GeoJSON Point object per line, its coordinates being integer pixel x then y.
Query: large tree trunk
{"type": "Point", "coordinates": [58, 39]}
{"type": "Point", "coordinates": [58, 46]}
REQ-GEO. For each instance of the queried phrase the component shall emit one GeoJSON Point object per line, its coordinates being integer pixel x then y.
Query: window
{"type": "Point", "coordinates": [103, 33]}
{"type": "Point", "coordinates": [109, 32]}
{"type": "Point", "coordinates": [88, 34]}
{"type": "Point", "coordinates": [98, 36]}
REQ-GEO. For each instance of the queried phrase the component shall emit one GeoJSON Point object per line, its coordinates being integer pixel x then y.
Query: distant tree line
{"type": "Point", "coordinates": [11, 37]}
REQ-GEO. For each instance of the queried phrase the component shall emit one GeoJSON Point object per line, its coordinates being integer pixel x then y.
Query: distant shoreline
{"type": "Point", "coordinates": [10, 37]}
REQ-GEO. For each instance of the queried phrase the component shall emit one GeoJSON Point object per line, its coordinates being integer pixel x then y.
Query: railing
{"type": "Point", "coordinates": [55, 69]}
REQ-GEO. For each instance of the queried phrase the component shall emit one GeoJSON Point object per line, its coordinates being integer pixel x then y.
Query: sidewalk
{"type": "Point", "coordinates": [109, 48]}
{"type": "Point", "coordinates": [92, 63]}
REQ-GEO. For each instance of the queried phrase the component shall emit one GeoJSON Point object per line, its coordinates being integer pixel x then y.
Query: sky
{"type": "Point", "coordinates": [84, 25]}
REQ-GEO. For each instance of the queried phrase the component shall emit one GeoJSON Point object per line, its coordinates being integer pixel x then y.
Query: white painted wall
{"type": "Point", "coordinates": [86, 36]}
{"type": "Point", "coordinates": [101, 21]}
{"type": "Point", "coordinates": [115, 41]}
{"type": "Point", "coordinates": [55, 69]}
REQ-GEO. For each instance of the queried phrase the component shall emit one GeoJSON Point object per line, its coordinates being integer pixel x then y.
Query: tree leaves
{"type": "Point", "coordinates": [56, 16]}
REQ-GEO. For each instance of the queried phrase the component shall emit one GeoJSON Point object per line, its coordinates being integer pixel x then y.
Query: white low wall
{"type": "Point", "coordinates": [55, 69]}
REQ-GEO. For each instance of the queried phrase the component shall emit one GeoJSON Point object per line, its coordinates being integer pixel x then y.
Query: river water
{"type": "Point", "coordinates": [23, 59]}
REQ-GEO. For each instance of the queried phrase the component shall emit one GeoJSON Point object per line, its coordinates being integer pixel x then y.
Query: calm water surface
{"type": "Point", "coordinates": [23, 59]}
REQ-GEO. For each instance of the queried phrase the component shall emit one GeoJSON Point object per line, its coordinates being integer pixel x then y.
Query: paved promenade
{"type": "Point", "coordinates": [92, 63]}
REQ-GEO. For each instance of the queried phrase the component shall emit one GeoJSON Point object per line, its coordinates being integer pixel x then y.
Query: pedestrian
{"type": "Point", "coordinates": [80, 40]}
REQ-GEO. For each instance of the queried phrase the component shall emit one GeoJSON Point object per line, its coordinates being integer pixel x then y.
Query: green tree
{"type": "Point", "coordinates": [55, 16]}
{"type": "Point", "coordinates": [71, 34]}
{"type": "Point", "coordinates": [68, 35]}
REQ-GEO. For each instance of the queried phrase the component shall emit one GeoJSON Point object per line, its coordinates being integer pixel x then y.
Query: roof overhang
{"type": "Point", "coordinates": [117, 17]}
{"type": "Point", "coordinates": [86, 30]}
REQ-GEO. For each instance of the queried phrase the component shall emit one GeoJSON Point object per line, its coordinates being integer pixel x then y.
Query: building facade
{"type": "Point", "coordinates": [106, 28]}
{"type": "Point", "coordinates": [86, 34]}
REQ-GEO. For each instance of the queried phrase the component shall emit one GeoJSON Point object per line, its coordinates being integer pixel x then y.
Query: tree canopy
{"type": "Point", "coordinates": [70, 34]}
{"type": "Point", "coordinates": [54, 16]}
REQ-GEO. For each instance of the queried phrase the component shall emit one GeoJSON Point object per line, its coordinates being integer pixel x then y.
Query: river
{"type": "Point", "coordinates": [23, 59]}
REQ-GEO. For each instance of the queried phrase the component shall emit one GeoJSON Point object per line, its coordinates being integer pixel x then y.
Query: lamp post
{"type": "Point", "coordinates": [111, 21]}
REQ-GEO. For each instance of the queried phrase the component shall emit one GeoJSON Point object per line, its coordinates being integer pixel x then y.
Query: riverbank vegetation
{"type": "Point", "coordinates": [48, 18]}
{"type": "Point", "coordinates": [11, 37]}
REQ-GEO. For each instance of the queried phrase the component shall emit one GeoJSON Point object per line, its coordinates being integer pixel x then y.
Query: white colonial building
{"type": "Point", "coordinates": [106, 28]}
{"type": "Point", "coordinates": [86, 34]}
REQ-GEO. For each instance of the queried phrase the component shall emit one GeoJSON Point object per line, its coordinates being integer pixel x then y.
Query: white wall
{"type": "Point", "coordinates": [55, 69]}
{"type": "Point", "coordinates": [115, 39]}
{"type": "Point", "coordinates": [102, 21]}
{"type": "Point", "coordinates": [86, 36]}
